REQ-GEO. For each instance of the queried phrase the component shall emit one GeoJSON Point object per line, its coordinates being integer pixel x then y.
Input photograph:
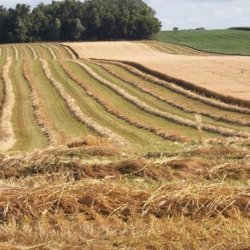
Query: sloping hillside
{"type": "Point", "coordinates": [99, 154]}
{"type": "Point", "coordinates": [218, 41]}
{"type": "Point", "coordinates": [224, 75]}
{"type": "Point", "coordinates": [51, 98]}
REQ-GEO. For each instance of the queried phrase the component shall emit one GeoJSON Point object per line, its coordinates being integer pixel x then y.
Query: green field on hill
{"type": "Point", "coordinates": [220, 41]}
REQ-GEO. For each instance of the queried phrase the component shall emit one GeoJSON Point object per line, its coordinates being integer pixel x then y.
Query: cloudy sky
{"type": "Point", "coordinates": [185, 14]}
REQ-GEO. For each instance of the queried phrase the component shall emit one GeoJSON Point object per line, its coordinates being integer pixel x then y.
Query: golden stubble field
{"type": "Point", "coordinates": [227, 75]}
{"type": "Point", "coordinates": [98, 154]}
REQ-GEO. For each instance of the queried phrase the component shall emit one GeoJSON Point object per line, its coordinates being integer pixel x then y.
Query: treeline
{"type": "Point", "coordinates": [240, 28]}
{"type": "Point", "coordinates": [72, 20]}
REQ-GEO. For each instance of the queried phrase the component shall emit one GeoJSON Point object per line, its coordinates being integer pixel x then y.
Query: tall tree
{"type": "Point", "coordinates": [75, 20]}
{"type": "Point", "coordinates": [73, 29]}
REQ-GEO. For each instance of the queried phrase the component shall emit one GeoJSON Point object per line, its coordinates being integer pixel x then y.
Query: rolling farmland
{"type": "Point", "coordinates": [50, 98]}
{"type": "Point", "coordinates": [226, 41]}
{"type": "Point", "coordinates": [207, 71]}
{"type": "Point", "coordinates": [99, 153]}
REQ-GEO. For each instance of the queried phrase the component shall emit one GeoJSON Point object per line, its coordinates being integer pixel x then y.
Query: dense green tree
{"type": "Point", "coordinates": [73, 30]}
{"type": "Point", "coordinates": [20, 23]}
{"type": "Point", "coordinates": [75, 20]}
{"type": "Point", "coordinates": [54, 29]}
{"type": "Point", "coordinates": [3, 20]}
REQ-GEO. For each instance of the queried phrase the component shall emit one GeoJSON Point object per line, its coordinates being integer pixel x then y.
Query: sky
{"type": "Point", "coordinates": [187, 14]}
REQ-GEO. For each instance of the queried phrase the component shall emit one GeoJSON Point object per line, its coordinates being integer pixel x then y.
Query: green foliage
{"type": "Point", "coordinates": [73, 29]}
{"type": "Point", "coordinates": [220, 41]}
{"type": "Point", "coordinates": [119, 19]}
{"type": "Point", "coordinates": [240, 28]}
{"type": "Point", "coordinates": [73, 20]}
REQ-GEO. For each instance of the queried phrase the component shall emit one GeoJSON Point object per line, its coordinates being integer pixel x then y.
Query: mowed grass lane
{"type": "Point", "coordinates": [92, 109]}
{"type": "Point", "coordinates": [27, 132]}
{"type": "Point", "coordinates": [30, 50]}
{"type": "Point", "coordinates": [54, 107]}
{"type": "Point", "coordinates": [48, 52]}
{"type": "Point", "coordinates": [129, 108]}
{"type": "Point", "coordinates": [60, 52]}
{"type": "Point", "coordinates": [37, 50]}
{"type": "Point", "coordinates": [189, 103]}
{"type": "Point", "coordinates": [41, 51]}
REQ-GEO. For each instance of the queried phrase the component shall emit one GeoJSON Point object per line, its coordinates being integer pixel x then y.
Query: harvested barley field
{"type": "Point", "coordinates": [50, 97]}
{"type": "Point", "coordinates": [226, 75]}
{"type": "Point", "coordinates": [103, 154]}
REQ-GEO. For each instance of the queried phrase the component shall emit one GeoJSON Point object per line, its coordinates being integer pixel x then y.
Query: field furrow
{"type": "Point", "coordinates": [130, 109]}
{"type": "Point", "coordinates": [188, 93]}
{"type": "Point", "coordinates": [61, 52]}
{"type": "Point", "coordinates": [80, 89]}
{"type": "Point", "coordinates": [7, 136]}
{"type": "Point", "coordinates": [62, 122]}
{"type": "Point", "coordinates": [115, 111]}
{"type": "Point", "coordinates": [167, 48]}
{"type": "Point", "coordinates": [42, 52]}
{"type": "Point", "coordinates": [163, 114]}
{"type": "Point", "coordinates": [28, 134]}
{"type": "Point", "coordinates": [45, 125]}
{"type": "Point", "coordinates": [74, 108]}
{"type": "Point", "coordinates": [176, 98]}
{"type": "Point", "coordinates": [34, 53]}
{"type": "Point", "coordinates": [60, 99]}
{"type": "Point", "coordinates": [37, 50]}
{"type": "Point", "coordinates": [56, 52]}
{"type": "Point", "coordinates": [159, 93]}
{"type": "Point", "coordinates": [51, 51]}
{"type": "Point", "coordinates": [184, 49]}
{"type": "Point", "coordinates": [70, 51]}
{"type": "Point", "coordinates": [16, 52]}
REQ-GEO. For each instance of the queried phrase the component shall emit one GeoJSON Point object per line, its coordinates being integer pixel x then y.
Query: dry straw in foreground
{"type": "Point", "coordinates": [8, 140]}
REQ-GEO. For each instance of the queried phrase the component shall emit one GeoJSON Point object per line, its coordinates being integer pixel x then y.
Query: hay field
{"type": "Point", "coordinates": [51, 98]}
{"type": "Point", "coordinates": [100, 154]}
{"type": "Point", "coordinates": [226, 75]}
